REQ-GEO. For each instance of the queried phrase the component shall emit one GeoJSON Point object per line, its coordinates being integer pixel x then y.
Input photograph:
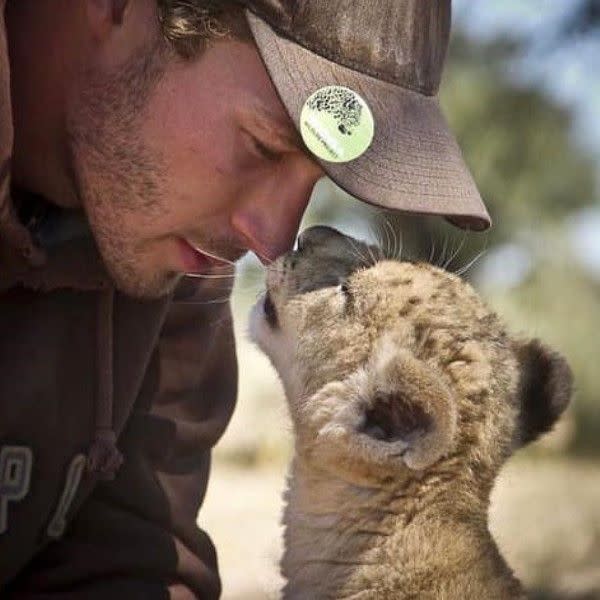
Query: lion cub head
{"type": "Point", "coordinates": [394, 369]}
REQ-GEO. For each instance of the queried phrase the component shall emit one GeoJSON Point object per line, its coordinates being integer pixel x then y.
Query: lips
{"type": "Point", "coordinates": [196, 261]}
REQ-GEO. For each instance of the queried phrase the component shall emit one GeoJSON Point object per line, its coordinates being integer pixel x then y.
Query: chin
{"type": "Point", "coordinates": [145, 287]}
{"type": "Point", "coordinates": [277, 345]}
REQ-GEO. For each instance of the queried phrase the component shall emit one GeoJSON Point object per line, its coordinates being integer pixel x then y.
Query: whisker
{"type": "Point", "coordinates": [206, 276]}
{"type": "Point", "coordinates": [226, 267]}
{"type": "Point", "coordinates": [223, 300]}
{"type": "Point", "coordinates": [394, 236]}
{"type": "Point", "coordinates": [380, 252]}
{"type": "Point", "coordinates": [432, 253]}
{"type": "Point", "coordinates": [380, 246]}
{"type": "Point", "coordinates": [207, 253]}
{"type": "Point", "coordinates": [268, 261]}
{"type": "Point", "coordinates": [400, 245]}
{"type": "Point", "coordinates": [400, 256]}
{"type": "Point", "coordinates": [465, 268]}
{"type": "Point", "coordinates": [444, 250]}
{"type": "Point", "coordinates": [375, 240]}
{"type": "Point", "coordinates": [376, 235]}
{"type": "Point", "coordinates": [357, 253]}
{"type": "Point", "coordinates": [386, 227]}
{"type": "Point", "coordinates": [372, 255]}
{"type": "Point", "coordinates": [457, 251]}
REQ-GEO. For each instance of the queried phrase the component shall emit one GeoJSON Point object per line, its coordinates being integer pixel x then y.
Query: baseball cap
{"type": "Point", "coordinates": [360, 80]}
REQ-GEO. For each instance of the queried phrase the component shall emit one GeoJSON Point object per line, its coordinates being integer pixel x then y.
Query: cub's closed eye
{"type": "Point", "coordinates": [348, 302]}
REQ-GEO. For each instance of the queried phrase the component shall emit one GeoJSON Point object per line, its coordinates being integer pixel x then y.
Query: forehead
{"type": "Point", "coordinates": [420, 283]}
{"type": "Point", "coordinates": [238, 67]}
{"type": "Point", "coordinates": [228, 75]}
{"type": "Point", "coordinates": [391, 292]}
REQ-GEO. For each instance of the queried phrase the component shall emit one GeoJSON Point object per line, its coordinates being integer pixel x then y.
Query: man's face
{"type": "Point", "coordinates": [171, 155]}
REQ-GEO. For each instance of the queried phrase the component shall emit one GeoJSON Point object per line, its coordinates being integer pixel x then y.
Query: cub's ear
{"type": "Point", "coordinates": [408, 407]}
{"type": "Point", "coordinates": [545, 389]}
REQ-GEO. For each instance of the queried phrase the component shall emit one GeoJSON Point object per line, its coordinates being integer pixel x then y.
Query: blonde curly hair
{"type": "Point", "coordinates": [189, 24]}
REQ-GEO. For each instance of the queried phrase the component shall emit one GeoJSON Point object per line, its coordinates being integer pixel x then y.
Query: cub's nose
{"type": "Point", "coordinates": [317, 235]}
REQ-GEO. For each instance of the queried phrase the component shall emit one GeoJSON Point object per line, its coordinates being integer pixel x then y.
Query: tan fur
{"type": "Point", "coordinates": [407, 395]}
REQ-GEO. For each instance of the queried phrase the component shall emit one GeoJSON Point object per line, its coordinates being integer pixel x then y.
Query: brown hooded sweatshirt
{"type": "Point", "coordinates": [109, 407]}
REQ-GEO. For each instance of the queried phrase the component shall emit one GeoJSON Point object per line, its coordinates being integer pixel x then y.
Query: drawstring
{"type": "Point", "coordinates": [104, 458]}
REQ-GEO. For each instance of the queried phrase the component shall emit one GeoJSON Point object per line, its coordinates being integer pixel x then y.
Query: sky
{"type": "Point", "coordinates": [570, 74]}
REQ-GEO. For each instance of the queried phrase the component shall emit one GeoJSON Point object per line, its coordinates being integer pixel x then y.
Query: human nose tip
{"type": "Point", "coordinates": [270, 223]}
{"type": "Point", "coordinates": [269, 233]}
{"type": "Point", "coordinates": [271, 245]}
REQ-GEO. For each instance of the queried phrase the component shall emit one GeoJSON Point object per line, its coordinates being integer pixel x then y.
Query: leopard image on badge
{"type": "Point", "coordinates": [337, 124]}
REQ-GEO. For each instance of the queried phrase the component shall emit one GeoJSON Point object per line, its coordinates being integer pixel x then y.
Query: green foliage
{"type": "Point", "coordinates": [515, 140]}
{"type": "Point", "coordinates": [584, 20]}
{"type": "Point", "coordinates": [560, 304]}
{"type": "Point", "coordinates": [532, 175]}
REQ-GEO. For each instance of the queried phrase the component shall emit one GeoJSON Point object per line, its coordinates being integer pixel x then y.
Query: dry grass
{"type": "Point", "coordinates": [545, 517]}
{"type": "Point", "coordinates": [545, 512]}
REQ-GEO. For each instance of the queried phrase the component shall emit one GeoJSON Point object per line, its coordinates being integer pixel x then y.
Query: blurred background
{"type": "Point", "coordinates": [522, 93]}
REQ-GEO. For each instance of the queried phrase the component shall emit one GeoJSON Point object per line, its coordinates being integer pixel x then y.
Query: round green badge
{"type": "Point", "coordinates": [337, 124]}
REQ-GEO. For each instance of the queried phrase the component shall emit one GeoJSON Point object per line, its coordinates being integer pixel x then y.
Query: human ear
{"type": "Point", "coordinates": [103, 15]}
{"type": "Point", "coordinates": [545, 389]}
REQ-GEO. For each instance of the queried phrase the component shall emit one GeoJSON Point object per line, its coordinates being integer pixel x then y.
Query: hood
{"type": "Point", "coordinates": [16, 245]}
{"type": "Point", "coordinates": [44, 247]}
{"type": "Point", "coordinates": [41, 247]}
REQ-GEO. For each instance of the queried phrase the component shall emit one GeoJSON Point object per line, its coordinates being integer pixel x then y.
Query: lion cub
{"type": "Point", "coordinates": [407, 395]}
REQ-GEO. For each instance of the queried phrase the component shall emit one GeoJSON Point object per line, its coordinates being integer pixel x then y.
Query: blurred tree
{"type": "Point", "coordinates": [516, 141]}
{"type": "Point", "coordinates": [518, 145]}
{"type": "Point", "coordinates": [560, 303]}
{"type": "Point", "coordinates": [583, 20]}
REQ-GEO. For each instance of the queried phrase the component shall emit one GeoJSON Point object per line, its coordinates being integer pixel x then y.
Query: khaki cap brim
{"type": "Point", "coordinates": [414, 163]}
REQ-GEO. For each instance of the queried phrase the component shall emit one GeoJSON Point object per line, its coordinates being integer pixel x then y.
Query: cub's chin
{"type": "Point", "coordinates": [257, 324]}
{"type": "Point", "coordinates": [265, 332]}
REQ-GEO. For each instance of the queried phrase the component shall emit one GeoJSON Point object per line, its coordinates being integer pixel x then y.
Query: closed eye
{"type": "Point", "coordinates": [348, 297]}
{"type": "Point", "coordinates": [265, 151]}
{"type": "Point", "coordinates": [259, 148]}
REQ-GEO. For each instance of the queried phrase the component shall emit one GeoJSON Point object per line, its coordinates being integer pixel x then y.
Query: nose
{"type": "Point", "coordinates": [269, 218]}
{"type": "Point", "coordinates": [317, 235]}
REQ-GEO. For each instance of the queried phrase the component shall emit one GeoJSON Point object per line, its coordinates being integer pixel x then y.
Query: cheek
{"type": "Point", "coordinates": [192, 113]}
{"type": "Point", "coordinates": [194, 133]}
{"type": "Point", "coordinates": [128, 231]}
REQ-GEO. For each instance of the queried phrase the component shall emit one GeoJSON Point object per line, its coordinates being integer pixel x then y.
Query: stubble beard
{"type": "Point", "coordinates": [117, 178]}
